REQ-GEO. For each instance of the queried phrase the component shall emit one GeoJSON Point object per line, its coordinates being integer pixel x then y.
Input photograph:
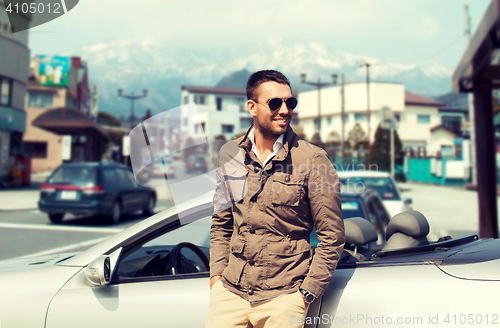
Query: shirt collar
{"type": "Point", "coordinates": [278, 145]}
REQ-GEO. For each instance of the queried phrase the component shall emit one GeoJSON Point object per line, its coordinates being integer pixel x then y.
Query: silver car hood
{"type": "Point", "coordinates": [29, 263]}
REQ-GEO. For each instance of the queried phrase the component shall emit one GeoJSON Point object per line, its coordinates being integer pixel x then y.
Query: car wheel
{"type": "Point", "coordinates": [116, 212]}
{"type": "Point", "coordinates": [56, 218]}
{"type": "Point", "coordinates": [150, 206]}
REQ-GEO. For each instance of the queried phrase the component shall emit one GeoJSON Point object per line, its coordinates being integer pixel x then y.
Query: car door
{"type": "Point", "coordinates": [177, 302]}
{"type": "Point", "coordinates": [137, 297]}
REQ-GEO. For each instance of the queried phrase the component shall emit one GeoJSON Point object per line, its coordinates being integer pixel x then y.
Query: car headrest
{"type": "Point", "coordinates": [359, 231]}
{"type": "Point", "coordinates": [410, 223]}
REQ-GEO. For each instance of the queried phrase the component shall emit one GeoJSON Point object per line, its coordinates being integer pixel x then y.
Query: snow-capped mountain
{"type": "Point", "coordinates": [162, 69]}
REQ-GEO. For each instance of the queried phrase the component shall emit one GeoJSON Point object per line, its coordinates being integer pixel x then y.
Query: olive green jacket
{"type": "Point", "coordinates": [263, 218]}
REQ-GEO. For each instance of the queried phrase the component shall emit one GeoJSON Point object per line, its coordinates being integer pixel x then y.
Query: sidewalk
{"type": "Point", "coordinates": [23, 198]}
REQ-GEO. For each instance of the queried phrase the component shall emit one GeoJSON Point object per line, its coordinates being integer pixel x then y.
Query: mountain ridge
{"type": "Point", "coordinates": [163, 69]}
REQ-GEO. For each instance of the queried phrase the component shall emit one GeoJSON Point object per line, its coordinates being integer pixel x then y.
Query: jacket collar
{"type": "Point", "coordinates": [288, 138]}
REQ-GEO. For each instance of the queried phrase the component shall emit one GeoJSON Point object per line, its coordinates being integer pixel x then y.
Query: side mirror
{"type": "Point", "coordinates": [408, 201]}
{"type": "Point", "coordinates": [98, 272]}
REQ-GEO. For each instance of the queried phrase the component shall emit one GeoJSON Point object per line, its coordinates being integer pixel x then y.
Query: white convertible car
{"type": "Point", "coordinates": [155, 274]}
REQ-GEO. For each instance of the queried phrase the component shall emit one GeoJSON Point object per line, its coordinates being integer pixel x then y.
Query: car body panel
{"type": "Point", "coordinates": [161, 303]}
{"type": "Point", "coordinates": [412, 291]}
{"type": "Point", "coordinates": [26, 292]}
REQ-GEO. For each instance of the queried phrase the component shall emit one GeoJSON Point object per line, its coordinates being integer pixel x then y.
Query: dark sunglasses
{"type": "Point", "coordinates": [275, 103]}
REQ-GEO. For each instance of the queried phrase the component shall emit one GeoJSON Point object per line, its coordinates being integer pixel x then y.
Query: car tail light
{"type": "Point", "coordinates": [205, 164]}
{"type": "Point", "coordinates": [172, 167]}
{"type": "Point", "coordinates": [190, 164]}
{"type": "Point", "coordinates": [48, 188]}
{"type": "Point", "coordinates": [93, 190]}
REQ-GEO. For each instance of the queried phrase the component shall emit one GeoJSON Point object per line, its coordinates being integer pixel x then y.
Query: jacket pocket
{"type": "Point", "coordinates": [236, 263]}
{"type": "Point", "coordinates": [288, 262]}
{"type": "Point", "coordinates": [286, 190]}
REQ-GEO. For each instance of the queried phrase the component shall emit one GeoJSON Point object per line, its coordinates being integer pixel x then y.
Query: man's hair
{"type": "Point", "coordinates": [260, 77]}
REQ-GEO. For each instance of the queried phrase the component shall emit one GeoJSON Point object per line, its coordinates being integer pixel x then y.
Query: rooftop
{"type": "Point", "coordinates": [214, 90]}
{"type": "Point", "coordinates": [414, 99]}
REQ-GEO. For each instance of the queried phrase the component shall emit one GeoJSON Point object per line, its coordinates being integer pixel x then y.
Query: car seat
{"type": "Point", "coordinates": [406, 229]}
{"type": "Point", "coordinates": [359, 232]}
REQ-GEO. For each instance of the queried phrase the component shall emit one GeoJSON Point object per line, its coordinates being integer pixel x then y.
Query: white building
{"type": "Point", "coordinates": [222, 111]}
{"type": "Point", "coordinates": [417, 117]}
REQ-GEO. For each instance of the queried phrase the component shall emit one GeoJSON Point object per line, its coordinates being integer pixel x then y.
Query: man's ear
{"type": "Point", "coordinates": [252, 107]}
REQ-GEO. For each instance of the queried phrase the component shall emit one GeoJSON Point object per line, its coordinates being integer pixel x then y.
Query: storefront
{"type": "Point", "coordinates": [87, 139]}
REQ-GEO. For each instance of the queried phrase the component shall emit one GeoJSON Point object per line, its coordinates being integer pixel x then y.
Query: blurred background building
{"type": "Point", "coordinates": [57, 105]}
{"type": "Point", "coordinates": [14, 72]}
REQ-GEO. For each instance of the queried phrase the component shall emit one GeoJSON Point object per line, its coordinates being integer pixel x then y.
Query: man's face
{"type": "Point", "coordinates": [271, 123]}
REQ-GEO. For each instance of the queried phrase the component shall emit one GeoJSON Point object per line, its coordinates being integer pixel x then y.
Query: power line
{"type": "Point", "coordinates": [445, 48]}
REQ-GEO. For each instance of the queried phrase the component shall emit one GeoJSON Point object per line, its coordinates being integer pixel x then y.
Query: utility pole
{"type": "Point", "coordinates": [132, 99]}
{"type": "Point", "coordinates": [319, 85]}
{"type": "Point", "coordinates": [472, 132]}
{"type": "Point", "coordinates": [342, 107]}
{"type": "Point", "coordinates": [367, 65]}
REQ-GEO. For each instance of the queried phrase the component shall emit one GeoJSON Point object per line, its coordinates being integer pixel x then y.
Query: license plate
{"type": "Point", "coordinates": [68, 194]}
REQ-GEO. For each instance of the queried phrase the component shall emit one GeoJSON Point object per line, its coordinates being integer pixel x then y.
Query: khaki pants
{"type": "Point", "coordinates": [229, 310]}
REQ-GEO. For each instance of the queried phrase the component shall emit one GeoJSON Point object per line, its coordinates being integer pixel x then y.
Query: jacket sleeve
{"type": "Point", "coordinates": [324, 199]}
{"type": "Point", "coordinates": [222, 225]}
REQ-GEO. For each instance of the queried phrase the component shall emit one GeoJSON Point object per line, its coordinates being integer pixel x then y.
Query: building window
{"type": "Point", "coordinates": [203, 126]}
{"type": "Point", "coordinates": [452, 123]}
{"type": "Point", "coordinates": [317, 123]}
{"type": "Point", "coordinates": [219, 103]}
{"type": "Point", "coordinates": [346, 118]}
{"type": "Point", "coordinates": [397, 117]}
{"type": "Point", "coordinates": [5, 91]}
{"type": "Point", "coordinates": [447, 151]}
{"type": "Point", "coordinates": [245, 123]}
{"type": "Point", "coordinates": [186, 99]}
{"type": "Point", "coordinates": [423, 119]}
{"type": "Point", "coordinates": [329, 120]}
{"type": "Point", "coordinates": [40, 99]}
{"type": "Point", "coordinates": [35, 149]}
{"type": "Point", "coordinates": [227, 128]}
{"type": "Point", "coordinates": [241, 104]}
{"type": "Point", "coordinates": [199, 99]}
{"type": "Point", "coordinates": [360, 118]}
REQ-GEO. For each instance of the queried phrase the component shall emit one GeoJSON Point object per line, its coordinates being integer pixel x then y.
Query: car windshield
{"type": "Point", "coordinates": [384, 186]}
{"type": "Point", "coordinates": [351, 209]}
{"type": "Point", "coordinates": [80, 176]}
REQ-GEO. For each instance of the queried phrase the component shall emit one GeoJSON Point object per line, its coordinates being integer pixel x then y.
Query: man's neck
{"type": "Point", "coordinates": [264, 143]}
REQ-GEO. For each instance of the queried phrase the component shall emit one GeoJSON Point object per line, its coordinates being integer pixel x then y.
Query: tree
{"type": "Point", "coordinates": [380, 151]}
{"type": "Point", "coordinates": [104, 118]}
{"type": "Point", "coordinates": [316, 140]}
{"type": "Point", "coordinates": [356, 145]}
{"type": "Point", "coordinates": [147, 115]}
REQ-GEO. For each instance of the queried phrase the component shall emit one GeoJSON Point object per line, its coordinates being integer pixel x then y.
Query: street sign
{"type": "Point", "coordinates": [66, 147]}
{"type": "Point", "coordinates": [126, 146]}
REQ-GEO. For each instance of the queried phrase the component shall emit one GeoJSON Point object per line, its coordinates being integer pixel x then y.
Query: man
{"type": "Point", "coordinates": [272, 188]}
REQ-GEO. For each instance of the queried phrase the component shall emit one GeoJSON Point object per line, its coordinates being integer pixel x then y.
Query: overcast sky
{"type": "Point", "coordinates": [402, 31]}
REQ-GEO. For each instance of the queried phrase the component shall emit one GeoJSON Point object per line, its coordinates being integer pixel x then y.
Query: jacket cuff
{"type": "Point", "coordinates": [216, 270]}
{"type": "Point", "coordinates": [312, 287]}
